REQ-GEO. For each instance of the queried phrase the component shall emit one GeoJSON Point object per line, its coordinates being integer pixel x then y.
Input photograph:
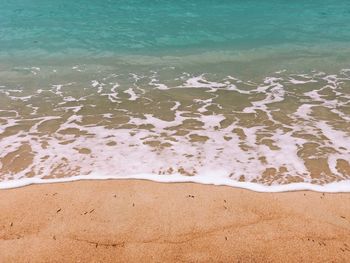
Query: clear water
{"type": "Point", "coordinates": [166, 27]}
{"type": "Point", "coordinates": [249, 91]}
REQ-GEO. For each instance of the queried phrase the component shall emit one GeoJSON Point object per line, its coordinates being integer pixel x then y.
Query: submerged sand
{"type": "Point", "coordinates": [142, 221]}
{"type": "Point", "coordinates": [278, 129]}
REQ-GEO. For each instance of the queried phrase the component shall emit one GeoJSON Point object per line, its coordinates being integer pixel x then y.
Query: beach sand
{"type": "Point", "coordinates": [142, 221]}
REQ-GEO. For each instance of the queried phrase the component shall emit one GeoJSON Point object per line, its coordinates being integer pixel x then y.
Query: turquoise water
{"type": "Point", "coordinates": [242, 93]}
{"type": "Point", "coordinates": [106, 28]}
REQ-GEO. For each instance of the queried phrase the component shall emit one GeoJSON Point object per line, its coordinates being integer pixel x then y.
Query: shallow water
{"type": "Point", "coordinates": [254, 92]}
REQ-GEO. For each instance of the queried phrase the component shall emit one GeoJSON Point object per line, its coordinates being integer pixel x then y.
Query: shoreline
{"type": "Point", "coordinates": [342, 186]}
{"type": "Point", "coordinates": [134, 220]}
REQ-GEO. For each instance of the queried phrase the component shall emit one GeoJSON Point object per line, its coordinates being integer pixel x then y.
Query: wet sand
{"type": "Point", "coordinates": [134, 221]}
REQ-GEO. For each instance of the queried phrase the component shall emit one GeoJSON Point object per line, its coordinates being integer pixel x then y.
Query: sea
{"type": "Point", "coordinates": [252, 94]}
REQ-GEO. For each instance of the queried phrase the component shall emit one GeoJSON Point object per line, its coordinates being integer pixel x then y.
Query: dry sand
{"type": "Point", "coordinates": [141, 221]}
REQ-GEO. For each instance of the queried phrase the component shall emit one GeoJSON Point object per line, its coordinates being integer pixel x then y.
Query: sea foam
{"type": "Point", "coordinates": [335, 187]}
{"type": "Point", "coordinates": [286, 132]}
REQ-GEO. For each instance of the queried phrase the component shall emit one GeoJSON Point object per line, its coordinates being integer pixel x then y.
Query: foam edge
{"type": "Point", "coordinates": [335, 187]}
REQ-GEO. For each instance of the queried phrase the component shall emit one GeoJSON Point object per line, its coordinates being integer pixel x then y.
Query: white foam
{"type": "Point", "coordinates": [336, 187]}
{"type": "Point", "coordinates": [219, 157]}
{"type": "Point", "coordinates": [132, 94]}
{"type": "Point", "coordinates": [201, 82]}
{"type": "Point", "coordinates": [154, 83]}
{"type": "Point", "coordinates": [98, 85]}
{"type": "Point", "coordinates": [298, 82]}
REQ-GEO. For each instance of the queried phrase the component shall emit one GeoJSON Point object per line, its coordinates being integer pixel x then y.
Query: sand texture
{"type": "Point", "coordinates": [142, 221]}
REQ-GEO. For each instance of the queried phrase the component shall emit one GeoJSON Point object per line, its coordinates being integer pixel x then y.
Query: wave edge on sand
{"type": "Point", "coordinates": [334, 187]}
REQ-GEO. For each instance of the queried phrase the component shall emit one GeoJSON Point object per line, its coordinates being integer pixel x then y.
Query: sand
{"type": "Point", "coordinates": [142, 221]}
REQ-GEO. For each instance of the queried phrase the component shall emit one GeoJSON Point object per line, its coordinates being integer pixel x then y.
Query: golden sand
{"type": "Point", "coordinates": [141, 221]}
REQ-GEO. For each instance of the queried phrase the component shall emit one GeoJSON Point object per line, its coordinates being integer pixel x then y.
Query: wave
{"type": "Point", "coordinates": [287, 131]}
{"type": "Point", "coordinates": [335, 187]}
